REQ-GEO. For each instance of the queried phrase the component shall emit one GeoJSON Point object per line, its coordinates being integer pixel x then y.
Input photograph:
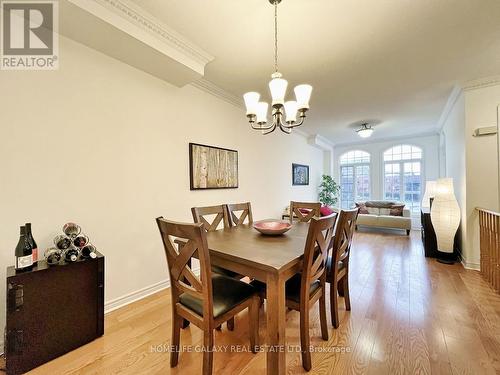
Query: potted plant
{"type": "Point", "coordinates": [329, 190]}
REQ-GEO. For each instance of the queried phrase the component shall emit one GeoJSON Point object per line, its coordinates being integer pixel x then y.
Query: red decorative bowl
{"type": "Point", "coordinates": [272, 227]}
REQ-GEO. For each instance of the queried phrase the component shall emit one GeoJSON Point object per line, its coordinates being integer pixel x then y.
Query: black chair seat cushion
{"type": "Point", "coordinates": [292, 287]}
{"type": "Point", "coordinates": [223, 271]}
{"type": "Point", "coordinates": [329, 266]}
{"type": "Point", "coordinates": [227, 294]}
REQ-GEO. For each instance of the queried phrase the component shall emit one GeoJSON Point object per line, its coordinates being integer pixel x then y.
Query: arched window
{"type": "Point", "coordinates": [354, 178]}
{"type": "Point", "coordinates": [403, 175]}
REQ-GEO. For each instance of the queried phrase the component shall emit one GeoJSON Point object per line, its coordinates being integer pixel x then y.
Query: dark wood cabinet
{"type": "Point", "coordinates": [52, 310]}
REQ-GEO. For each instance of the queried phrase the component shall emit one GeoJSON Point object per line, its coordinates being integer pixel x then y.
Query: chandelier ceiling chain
{"type": "Point", "coordinates": [285, 115]}
{"type": "Point", "coordinates": [275, 37]}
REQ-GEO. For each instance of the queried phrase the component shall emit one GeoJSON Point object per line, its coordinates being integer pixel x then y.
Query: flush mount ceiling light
{"type": "Point", "coordinates": [365, 130]}
{"type": "Point", "coordinates": [257, 110]}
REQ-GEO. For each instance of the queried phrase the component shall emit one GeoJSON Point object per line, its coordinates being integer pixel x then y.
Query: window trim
{"type": "Point", "coordinates": [401, 163]}
{"type": "Point", "coordinates": [354, 165]}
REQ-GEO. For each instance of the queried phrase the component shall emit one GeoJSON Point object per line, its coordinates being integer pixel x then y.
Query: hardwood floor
{"type": "Point", "coordinates": [410, 315]}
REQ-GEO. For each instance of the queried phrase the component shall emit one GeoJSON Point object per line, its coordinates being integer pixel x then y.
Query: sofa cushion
{"type": "Point", "coordinates": [362, 208]}
{"type": "Point", "coordinates": [373, 210]}
{"type": "Point", "coordinates": [397, 210]}
{"type": "Point", "coordinates": [385, 211]}
{"type": "Point", "coordinates": [367, 219]}
{"type": "Point", "coordinates": [379, 204]}
{"type": "Point", "coordinates": [398, 222]}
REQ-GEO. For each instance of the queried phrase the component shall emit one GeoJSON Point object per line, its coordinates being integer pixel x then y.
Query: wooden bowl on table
{"type": "Point", "coordinates": [272, 227]}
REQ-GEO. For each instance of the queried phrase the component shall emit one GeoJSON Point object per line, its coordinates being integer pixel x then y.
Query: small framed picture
{"type": "Point", "coordinates": [300, 174]}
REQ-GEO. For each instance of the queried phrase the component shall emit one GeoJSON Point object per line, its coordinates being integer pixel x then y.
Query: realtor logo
{"type": "Point", "coordinates": [29, 35]}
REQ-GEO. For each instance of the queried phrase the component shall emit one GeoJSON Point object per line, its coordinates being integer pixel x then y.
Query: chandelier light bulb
{"type": "Point", "coordinates": [262, 112]}
{"type": "Point", "coordinates": [278, 87]}
{"type": "Point", "coordinates": [291, 111]}
{"type": "Point", "coordinates": [251, 102]}
{"type": "Point", "coordinates": [303, 95]}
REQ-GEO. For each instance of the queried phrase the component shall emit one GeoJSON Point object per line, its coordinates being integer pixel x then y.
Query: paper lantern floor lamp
{"type": "Point", "coordinates": [445, 217]}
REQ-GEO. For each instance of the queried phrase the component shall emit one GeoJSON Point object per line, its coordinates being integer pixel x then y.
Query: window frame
{"type": "Point", "coordinates": [401, 162]}
{"type": "Point", "coordinates": [354, 165]}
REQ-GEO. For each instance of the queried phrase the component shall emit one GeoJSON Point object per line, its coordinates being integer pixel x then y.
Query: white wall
{"type": "Point", "coordinates": [429, 144]}
{"type": "Point", "coordinates": [453, 143]}
{"type": "Point", "coordinates": [481, 163]}
{"type": "Point", "coordinates": [105, 145]}
{"type": "Point", "coordinates": [472, 161]}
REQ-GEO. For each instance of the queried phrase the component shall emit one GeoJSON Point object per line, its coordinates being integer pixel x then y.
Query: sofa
{"type": "Point", "coordinates": [384, 214]}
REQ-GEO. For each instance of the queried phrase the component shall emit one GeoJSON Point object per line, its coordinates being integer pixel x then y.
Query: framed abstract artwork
{"type": "Point", "coordinates": [212, 167]}
{"type": "Point", "coordinates": [300, 174]}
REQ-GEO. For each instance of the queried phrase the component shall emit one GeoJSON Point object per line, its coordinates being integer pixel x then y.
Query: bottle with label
{"type": "Point", "coordinates": [89, 251]}
{"type": "Point", "coordinates": [24, 253]}
{"type": "Point", "coordinates": [71, 255]}
{"type": "Point", "coordinates": [31, 240]}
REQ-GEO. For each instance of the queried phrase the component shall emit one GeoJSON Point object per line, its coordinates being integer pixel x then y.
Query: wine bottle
{"type": "Point", "coordinates": [71, 230]}
{"type": "Point", "coordinates": [53, 256]}
{"type": "Point", "coordinates": [24, 253]}
{"type": "Point", "coordinates": [31, 240]}
{"type": "Point", "coordinates": [89, 251]}
{"type": "Point", "coordinates": [81, 240]}
{"type": "Point", "coordinates": [71, 255]}
{"type": "Point", "coordinates": [62, 242]}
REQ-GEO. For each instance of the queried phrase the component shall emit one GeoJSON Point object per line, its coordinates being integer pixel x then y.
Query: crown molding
{"type": "Point", "coordinates": [217, 91]}
{"type": "Point", "coordinates": [320, 142]}
{"type": "Point", "coordinates": [146, 21]}
{"type": "Point", "coordinates": [387, 139]}
{"type": "Point", "coordinates": [458, 89]}
{"type": "Point", "coordinates": [450, 103]}
{"type": "Point", "coordinates": [481, 82]}
{"type": "Point", "coordinates": [301, 133]}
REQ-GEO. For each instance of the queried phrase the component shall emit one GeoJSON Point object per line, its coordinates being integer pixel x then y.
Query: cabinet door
{"type": "Point", "coordinates": [58, 313]}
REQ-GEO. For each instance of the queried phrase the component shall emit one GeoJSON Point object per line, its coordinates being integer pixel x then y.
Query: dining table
{"type": "Point", "coordinates": [270, 259]}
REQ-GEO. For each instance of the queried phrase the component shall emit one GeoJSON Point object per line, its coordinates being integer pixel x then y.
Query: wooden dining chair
{"type": "Point", "coordinates": [304, 211]}
{"type": "Point", "coordinates": [207, 301]}
{"type": "Point", "coordinates": [220, 215]}
{"type": "Point", "coordinates": [238, 212]}
{"type": "Point", "coordinates": [200, 215]}
{"type": "Point", "coordinates": [338, 262]}
{"type": "Point", "coordinates": [305, 289]}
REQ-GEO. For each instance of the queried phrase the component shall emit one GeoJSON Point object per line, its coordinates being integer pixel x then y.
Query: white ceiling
{"type": "Point", "coordinates": [394, 61]}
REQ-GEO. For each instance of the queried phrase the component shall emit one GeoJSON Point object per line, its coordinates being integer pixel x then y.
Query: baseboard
{"type": "Point", "coordinates": [471, 265]}
{"type": "Point", "coordinates": [135, 296]}
{"type": "Point", "coordinates": [138, 294]}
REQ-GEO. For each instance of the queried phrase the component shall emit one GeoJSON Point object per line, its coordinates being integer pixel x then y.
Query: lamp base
{"type": "Point", "coordinates": [446, 261]}
{"type": "Point", "coordinates": [446, 258]}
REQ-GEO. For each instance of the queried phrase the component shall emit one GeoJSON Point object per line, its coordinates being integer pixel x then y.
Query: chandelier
{"type": "Point", "coordinates": [365, 131]}
{"type": "Point", "coordinates": [284, 114]}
